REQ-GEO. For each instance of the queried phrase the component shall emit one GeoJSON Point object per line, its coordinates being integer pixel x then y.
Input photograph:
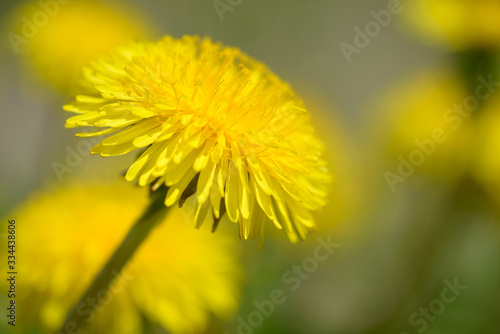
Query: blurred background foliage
{"type": "Point", "coordinates": [398, 244]}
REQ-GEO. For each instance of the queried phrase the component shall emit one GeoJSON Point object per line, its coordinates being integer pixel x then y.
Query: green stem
{"type": "Point", "coordinates": [156, 211]}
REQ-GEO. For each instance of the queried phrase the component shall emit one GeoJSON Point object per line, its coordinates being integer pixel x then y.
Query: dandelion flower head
{"type": "Point", "coordinates": [213, 119]}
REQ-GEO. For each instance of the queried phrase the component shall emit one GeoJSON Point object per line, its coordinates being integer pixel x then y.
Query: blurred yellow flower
{"type": "Point", "coordinates": [429, 126]}
{"type": "Point", "coordinates": [461, 24]}
{"type": "Point", "coordinates": [211, 117]}
{"type": "Point", "coordinates": [487, 143]}
{"type": "Point", "coordinates": [60, 37]}
{"type": "Point", "coordinates": [177, 278]}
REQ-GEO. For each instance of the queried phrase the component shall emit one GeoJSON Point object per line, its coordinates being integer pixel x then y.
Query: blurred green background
{"type": "Point", "coordinates": [401, 246]}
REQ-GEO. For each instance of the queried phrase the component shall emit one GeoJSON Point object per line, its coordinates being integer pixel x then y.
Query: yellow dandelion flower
{"type": "Point", "coordinates": [211, 118]}
{"type": "Point", "coordinates": [486, 165]}
{"type": "Point", "coordinates": [460, 24]}
{"type": "Point", "coordinates": [59, 38]}
{"type": "Point", "coordinates": [177, 279]}
{"type": "Point", "coordinates": [429, 127]}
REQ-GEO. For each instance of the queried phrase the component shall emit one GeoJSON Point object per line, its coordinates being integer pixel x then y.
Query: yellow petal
{"type": "Point", "coordinates": [264, 202]}
{"type": "Point", "coordinates": [175, 191]}
{"type": "Point", "coordinates": [131, 133]}
{"type": "Point", "coordinates": [205, 181]}
{"type": "Point", "coordinates": [201, 214]}
{"type": "Point", "coordinates": [215, 197]}
{"type": "Point", "coordinates": [231, 196]}
{"type": "Point", "coordinates": [243, 194]}
{"type": "Point", "coordinates": [221, 177]}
